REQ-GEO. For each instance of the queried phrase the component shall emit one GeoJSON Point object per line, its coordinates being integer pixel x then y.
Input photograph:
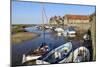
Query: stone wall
{"type": "Point", "coordinates": [84, 26]}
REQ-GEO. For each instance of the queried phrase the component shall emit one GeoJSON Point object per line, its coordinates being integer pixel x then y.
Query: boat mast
{"type": "Point", "coordinates": [43, 26]}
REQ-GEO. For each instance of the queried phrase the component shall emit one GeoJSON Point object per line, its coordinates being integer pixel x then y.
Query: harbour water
{"type": "Point", "coordinates": [50, 38]}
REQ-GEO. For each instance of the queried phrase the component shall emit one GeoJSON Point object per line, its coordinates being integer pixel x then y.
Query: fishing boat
{"type": "Point", "coordinates": [81, 54]}
{"type": "Point", "coordinates": [56, 55]}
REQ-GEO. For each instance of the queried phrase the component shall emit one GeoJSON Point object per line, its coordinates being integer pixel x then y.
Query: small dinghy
{"type": "Point", "coordinates": [35, 54]}
{"type": "Point", "coordinates": [81, 54]}
{"type": "Point", "coordinates": [56, 55]}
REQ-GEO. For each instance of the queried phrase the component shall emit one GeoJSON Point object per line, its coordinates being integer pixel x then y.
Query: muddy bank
{"type": "Point", "coordinates": [23, 36]}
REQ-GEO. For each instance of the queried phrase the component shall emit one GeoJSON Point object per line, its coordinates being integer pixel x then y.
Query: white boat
{"type": "Point", "coordinates": [81, 54]}
{"type": "Point", "coordinates": [59, 30]}
{"type": "Point", "coordinates": [70, 32]}
{"type": "Point", "coordinates": [56, 55]}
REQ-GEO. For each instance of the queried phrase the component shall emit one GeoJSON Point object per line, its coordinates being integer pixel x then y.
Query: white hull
{"type": "Point", "coordinates": [86, 55]}
{"type": "Point", "coordinates": [28, 58]}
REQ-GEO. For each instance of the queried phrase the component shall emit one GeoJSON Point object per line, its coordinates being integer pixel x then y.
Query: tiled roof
{"type": "Point", "coordinates": [79, 17]}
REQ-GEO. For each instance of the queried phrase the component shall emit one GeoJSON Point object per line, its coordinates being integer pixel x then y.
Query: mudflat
{"type": "Point", "coordinates": [23, 36]}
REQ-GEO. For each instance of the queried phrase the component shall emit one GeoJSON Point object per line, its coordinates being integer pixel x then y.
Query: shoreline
{"type": "Point", "coordinates": [23, 36]}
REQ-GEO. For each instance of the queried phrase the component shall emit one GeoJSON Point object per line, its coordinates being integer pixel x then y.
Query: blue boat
{"type": "Point", "coordinates": [56, 55]}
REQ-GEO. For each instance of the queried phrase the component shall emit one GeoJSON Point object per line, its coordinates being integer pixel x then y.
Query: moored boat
{"type": "Point", "coordinates": [35, 54]}
{"type": "Point", "coordinates": [56, 55]}
{"type": "Point", "coordinates": [81, 54]}
{"type": "Point", "coordinates": [70, 32]}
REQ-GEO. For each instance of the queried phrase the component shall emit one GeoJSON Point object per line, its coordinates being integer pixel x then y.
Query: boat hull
{"type": "Point", "coordinates": [56, 55]}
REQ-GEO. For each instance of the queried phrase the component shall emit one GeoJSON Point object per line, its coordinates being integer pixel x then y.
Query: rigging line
{"type": "Point", "coordinates": [43, 24]}
{"type": "Point", "coordinates": [45, 14]}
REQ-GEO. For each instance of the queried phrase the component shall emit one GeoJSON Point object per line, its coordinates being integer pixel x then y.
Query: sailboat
{"type": "Point", "coordinates": [42, 49]}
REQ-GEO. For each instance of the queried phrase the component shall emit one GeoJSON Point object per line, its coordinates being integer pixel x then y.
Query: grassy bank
{"type": "Point", "coordinates": [19, 34]}
{"type": "Point", "coordinates": [18, 28]}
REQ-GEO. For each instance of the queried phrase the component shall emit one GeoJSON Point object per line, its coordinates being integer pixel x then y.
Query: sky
{"type": "Point", "coordinates": [31, 12]}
